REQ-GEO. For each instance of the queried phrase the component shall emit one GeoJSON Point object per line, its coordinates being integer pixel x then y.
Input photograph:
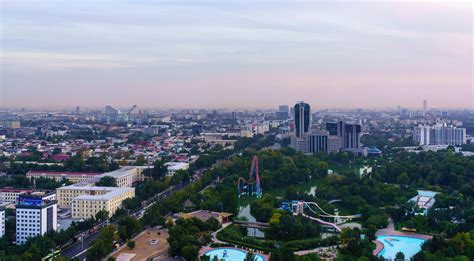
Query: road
{"type": "Point", "coordinates": [76, 248]}
{"type": "Point", "coordinates": [79, 249]}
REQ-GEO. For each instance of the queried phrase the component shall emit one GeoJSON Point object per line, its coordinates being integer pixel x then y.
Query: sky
{"type": "Point", "coordinates": [236, 54]}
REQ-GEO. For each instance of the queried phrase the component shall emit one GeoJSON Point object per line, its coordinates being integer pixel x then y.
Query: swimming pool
{"type": "Point", "coordinates": [409, 246]}
{"type": "Point", "coordinates": [230, 254]}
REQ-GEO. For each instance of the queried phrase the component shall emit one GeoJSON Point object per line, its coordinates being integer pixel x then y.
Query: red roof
{"type": "Point", "coordinates": [15, 190]}
{"type": "Point", "coordinates": [63, 172]}
{"type": "Point", "coordinates": [60, 157]}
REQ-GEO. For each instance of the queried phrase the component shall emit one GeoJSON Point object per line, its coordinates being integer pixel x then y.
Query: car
{"type": "Point", "coordinates": [153, 242]}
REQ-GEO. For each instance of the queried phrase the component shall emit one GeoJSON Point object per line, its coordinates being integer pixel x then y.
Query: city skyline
{"type": "Point", "coordinates": [236, 54]}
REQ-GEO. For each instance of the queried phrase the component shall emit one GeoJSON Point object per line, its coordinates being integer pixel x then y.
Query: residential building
{"type": "Point", "coordinates": [125, 176]}
{"type": "Point", "coordinates": [439, 134]}
{"type": "Point", "coordinates": [35, 215]}
{"type": "Point", "coordinates": [11, 195]}
{"type": "Point", "coordinates": [74, 177]}
{"type": "Point", "coordinates": [172, 167]}
{"type": "Point", "coordinates": [86, 201]}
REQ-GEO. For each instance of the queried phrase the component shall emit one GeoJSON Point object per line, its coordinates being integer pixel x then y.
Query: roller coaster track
{"type": "Point", "coordinates": [253, 171]}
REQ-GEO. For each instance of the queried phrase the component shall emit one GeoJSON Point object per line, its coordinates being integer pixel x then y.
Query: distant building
{"type": "Point", "coordinates": [349, 133]}
{"type": "Point", "coordinates": [2, 222]}
{"type": "Point", "coordinates": [302, 119]}
{"type": "Point", "coordinates": [335, 144]}
{"type": "Point", "coordinates": [35, 215]}
{"type": "Point", "coordinates": [372, 152]}
{"type": "Point", "coordinates": [60, 175]}
{"type": "Point", "coordinates": [351, 138]}
{"type": "Point", "coordinates": [439, 134]}
{"type": "Point", "coordinates": [111, 111]}
{"type": "Point", "coordinates": [173, 167]}
{"type": "Point", "coordinates": [282, 113]}
{"type": "Point", "coordinates": [125, 176]}
{"type": "Point", "coordinates": [319, 142]}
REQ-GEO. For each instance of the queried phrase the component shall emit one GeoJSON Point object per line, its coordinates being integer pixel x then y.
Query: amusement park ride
{"type": "Point", "coordinates": [298, 207]}
{"type": "Point", "coordinates": [252, 187]}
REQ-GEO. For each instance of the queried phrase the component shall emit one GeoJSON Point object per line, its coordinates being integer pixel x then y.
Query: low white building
{"type": "Point", "coordinates": [125, 176]}
{"type": "Point", "coordinates": [10, 195]}
{"type": "Point", "coordinates": [175, 166]}
{"type": "Point", "coordinates": [424, 200]}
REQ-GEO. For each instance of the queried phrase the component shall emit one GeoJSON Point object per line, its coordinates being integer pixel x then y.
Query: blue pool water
{"type": "Point", "coordinates": [409, 246]}
{"type": "Point", "coordinates": [232, 254]}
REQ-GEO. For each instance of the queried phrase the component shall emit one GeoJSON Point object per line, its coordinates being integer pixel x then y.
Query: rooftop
{"type": "Point", "coordinates": [108, 192]}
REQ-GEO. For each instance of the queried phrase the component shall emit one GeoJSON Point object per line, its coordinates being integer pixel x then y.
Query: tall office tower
{"type": "Point", "coordinates": [425, 105]}
{"type": "Point", "coordinates": [35, 215]}
{"type": "Point", "coordinates": [78, 110]}
{"type": "Point", "coordinates": [2, 222]}
{"type": "Point", "coordinates": [282, 113]}
{"type": "Point", "coordinates": [349, 134]}
{"type": "Point", "coordinates": [319, 142]}
{"type": "Point", "coordinates": [439, 134]}
{"type": "Point", "coordinates": [352, 135]}
{"type": "Point", "coordinates": [302, 119]}
{"type": "Point", "coordinates": [111, 111]}
{"type": "Point", "coordinates": [333, 128]}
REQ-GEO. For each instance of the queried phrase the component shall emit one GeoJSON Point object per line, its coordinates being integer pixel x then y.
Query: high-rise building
{"type": "Point", "coordinates": [349, 133]}
{"type": "Point", "coordinates": [352, 136]}
{"type": "Point", "coordinates": [319, 142]}
{"type": "Point", "coordinates": [425, 105]}
{"type": "Point", "coordinates": [35, 215]}
{"type": "Point", "coordinates": [439, 134]}
{"type": "Point", "coordinates": [111, 111]}
{"type": "Point", "coordinates": [282, 113]}
{"type": "Point", "coordinates": [302, 119]}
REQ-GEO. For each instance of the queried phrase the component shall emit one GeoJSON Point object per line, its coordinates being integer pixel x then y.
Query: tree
{"type": "Point", "coordinates": [128, 226]}
{"type": "Point", "coordinates": [399, 256]}
{"type": "Point", "coordinates": [131, 244]}
{"type": "Point", "coordinates": [250, 256]}
{"type": "Point", "coordinates": [102, 215]}
{"type": "Point", "coordinates": [107, 181]}
{"type": "Point", "coordinates": [141, 161]}
{"type": "Point", "coordinates": [158, 171]}
{"type": "Point", "coordinates": [190, 252]}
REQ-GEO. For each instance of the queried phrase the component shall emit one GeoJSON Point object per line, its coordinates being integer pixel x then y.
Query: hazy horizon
{"type": "Point", "coordinates": [236, 54]}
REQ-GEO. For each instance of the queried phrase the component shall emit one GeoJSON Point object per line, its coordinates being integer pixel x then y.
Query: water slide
{"type": "Point", "coordinates": [323, 222]}
{"type": "Point", "coordinates": [327, 214]}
